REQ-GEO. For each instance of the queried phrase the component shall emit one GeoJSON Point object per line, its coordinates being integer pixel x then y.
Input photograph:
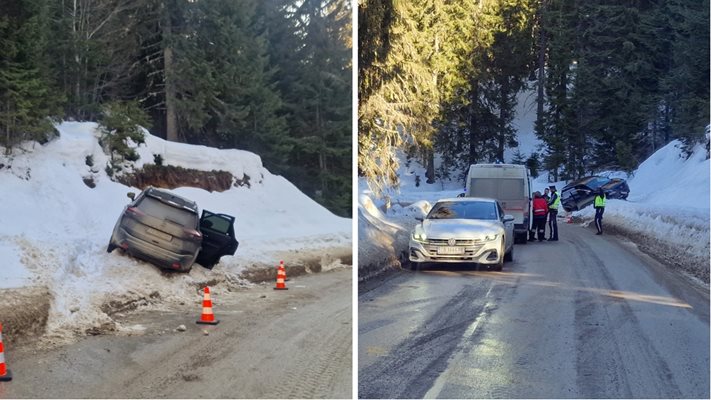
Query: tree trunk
{"type": "Point", "coordinates": [430, 174]}
{"type": "Point", "coordinates": [473, 121]}
{"type": "Point", "coordinates": [171, 119]}
{"type": "Point", "coordinates": [503, 115]}
{"type": "Point", "coordinates": [541, 70]}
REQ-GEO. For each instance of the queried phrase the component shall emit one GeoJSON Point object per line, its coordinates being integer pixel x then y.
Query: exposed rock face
{"type": "Point", "coordinates": [171, 177]}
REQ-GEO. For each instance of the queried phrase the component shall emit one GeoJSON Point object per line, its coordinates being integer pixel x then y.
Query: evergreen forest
{"type": "Point", "coordinates": [614, 80]}
{"type": "Point", "coordinates": [268, 76]}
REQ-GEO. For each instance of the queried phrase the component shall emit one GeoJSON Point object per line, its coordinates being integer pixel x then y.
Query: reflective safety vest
{"type": "Point", "coordinates": [556, 202]}
{"type": "Point", "coordinates": [599, 201]}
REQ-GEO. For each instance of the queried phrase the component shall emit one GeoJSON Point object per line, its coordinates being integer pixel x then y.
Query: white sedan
{"type": "Point", "coordinates": [464, 230]}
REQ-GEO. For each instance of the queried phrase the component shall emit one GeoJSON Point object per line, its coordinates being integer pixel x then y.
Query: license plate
{"type": "Point", "coordinates": [159, 234]}
{"type": "Point", "coordinates": [450, 250]}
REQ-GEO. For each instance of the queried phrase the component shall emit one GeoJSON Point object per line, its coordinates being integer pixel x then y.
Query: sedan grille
{"type": "Point", "coordinates": [459, 242]}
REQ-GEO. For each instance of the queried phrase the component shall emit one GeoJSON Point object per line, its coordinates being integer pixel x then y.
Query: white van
{"type": "Point", "coordinates": [508, 183]}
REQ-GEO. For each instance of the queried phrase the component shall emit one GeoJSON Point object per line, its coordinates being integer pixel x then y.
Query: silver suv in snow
{"type": "Point", "coordinates": [165, 229]}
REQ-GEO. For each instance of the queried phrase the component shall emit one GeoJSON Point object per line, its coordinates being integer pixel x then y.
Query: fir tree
{"type": "Point", "coordinates": [26, 99]}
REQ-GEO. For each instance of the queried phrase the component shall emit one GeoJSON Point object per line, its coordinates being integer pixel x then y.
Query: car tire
{"type": "Point", "coordinates": [509, 256]}
{"type": "Point", "coordinates": [500, 265]}
{"type": "Point", "coordinates": [111, 247]}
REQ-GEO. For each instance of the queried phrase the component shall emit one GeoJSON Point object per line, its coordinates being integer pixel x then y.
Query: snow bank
{"type": "Point", "coordinates": [54, 229]}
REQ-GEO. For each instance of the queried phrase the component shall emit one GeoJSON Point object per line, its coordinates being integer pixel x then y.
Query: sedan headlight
{"type": "Point", "coordinates": [490, 237]}
{"type": "Point", "coordinates": [419, 236]}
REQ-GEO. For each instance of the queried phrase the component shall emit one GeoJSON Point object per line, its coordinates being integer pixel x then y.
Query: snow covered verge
{"type": "Point", "coordinates": [54, 228]}
{"type": "Point", "coordinates": [666, 214]}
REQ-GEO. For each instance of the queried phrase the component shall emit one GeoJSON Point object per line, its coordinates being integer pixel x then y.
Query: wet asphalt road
{"type": "Point", "coordinates": [586, 317]}
{"type": "Point", "coordinates": [268, 344]}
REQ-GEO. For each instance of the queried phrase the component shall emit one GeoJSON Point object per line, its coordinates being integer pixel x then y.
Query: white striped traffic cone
{"type": "Point", "coordinates": [5, 374]}
{"type": "Point", "coordinates": [281, 278]}
{"type": "Point", "coordinates": [207, 316]}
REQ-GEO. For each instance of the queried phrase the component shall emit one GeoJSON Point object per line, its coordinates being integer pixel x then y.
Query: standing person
{"type": "Point", "coordinates": [540, 210]}
{"type": "Point", "coordinates": [599, 209]}
{"type": "Point", "coordinates": [547, 197]}
{"type": "Point", "coordinates": [553, 205]}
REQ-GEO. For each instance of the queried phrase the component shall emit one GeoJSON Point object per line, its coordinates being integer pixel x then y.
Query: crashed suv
{"type": "Point", "coordinates": [581, 193]}
{"type": "Point", "coordinates": [164, 229]}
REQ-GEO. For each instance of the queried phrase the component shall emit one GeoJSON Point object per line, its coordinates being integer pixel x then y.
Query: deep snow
{"type": "Point", "coordinates": [54, 229]}
{"type": "Point", "coordinates": [668, 203]}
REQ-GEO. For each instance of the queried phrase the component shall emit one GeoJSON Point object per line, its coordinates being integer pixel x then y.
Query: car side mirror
{"type": "Point", "coordinates": [131, 195]}
{"type": "Point", "coordinates": [461, 195]}
{"type": "Point", "coordinates": [509, 218]}
{"type": "Point", "coordinates": [420, 219]}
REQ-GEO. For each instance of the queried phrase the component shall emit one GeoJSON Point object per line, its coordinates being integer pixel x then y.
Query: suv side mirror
{"type": "Point", "coordinates": [131, 195]}
{"type": "Point", "coordinates": [509, 217]}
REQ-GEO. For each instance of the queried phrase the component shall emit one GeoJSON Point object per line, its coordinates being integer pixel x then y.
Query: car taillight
{"type": "Point", "coordinates": [124, 246]}
{"type": "Point", "coordinates": [135, 211]}
{"type": "Point", "coordinates": [194, 234]}
{"type": "Point", "coordinates": [175, 265]}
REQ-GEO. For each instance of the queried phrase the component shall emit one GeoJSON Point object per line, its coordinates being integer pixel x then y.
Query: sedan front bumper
{"type": "Point", "coordinates": [464, 251]}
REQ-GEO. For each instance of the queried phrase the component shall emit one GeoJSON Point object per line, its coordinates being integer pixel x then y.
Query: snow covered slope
{"type": "Point", "coordinates": [54, 228]}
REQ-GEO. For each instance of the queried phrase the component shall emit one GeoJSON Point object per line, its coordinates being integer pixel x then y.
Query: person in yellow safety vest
{"type": "Point", "coordinates": [553, 205]}
{"type": "Point", "coordinates": [599, 210]}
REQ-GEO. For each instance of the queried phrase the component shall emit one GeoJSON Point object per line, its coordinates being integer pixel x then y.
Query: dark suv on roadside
{"type": "Point", "coordinates": [163, 228]}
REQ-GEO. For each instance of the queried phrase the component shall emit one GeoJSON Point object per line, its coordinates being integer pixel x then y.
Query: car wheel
{"type": "Point", "coordinates": [111, 247]}
{"type": "Point", "coordinates": [520, 238]}
{"type": "Point", "coordinates": [509, 256]}
{"type": "Point", "coordinates": [500, 265]}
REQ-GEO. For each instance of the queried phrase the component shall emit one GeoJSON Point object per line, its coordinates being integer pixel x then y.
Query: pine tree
{"type": "Point", "coordinates": [26, 99]}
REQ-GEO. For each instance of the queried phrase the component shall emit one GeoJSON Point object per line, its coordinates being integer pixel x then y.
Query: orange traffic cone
{"type": "Point", "coordinates": [281, 278]}
{"type": "Point", "coordinates": [281, 267]}
{"type": "Point", "coordinates": [5, 374]}
{"type": "Point", "coordinates": [207, 316]}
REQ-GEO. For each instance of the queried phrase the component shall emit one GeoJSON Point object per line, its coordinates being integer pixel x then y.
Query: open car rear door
{"type": "Point", "coordinates": [218, 238]}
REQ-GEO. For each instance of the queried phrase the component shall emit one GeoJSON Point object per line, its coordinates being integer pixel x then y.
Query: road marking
{"type": "Point", "coordinates": [441, 380]}
{"type": "Point", "coordinates": [376, 351]}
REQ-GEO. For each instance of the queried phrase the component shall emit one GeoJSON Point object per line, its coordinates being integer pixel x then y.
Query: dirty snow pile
{"type": "Point", "coordinates": [54, 229]}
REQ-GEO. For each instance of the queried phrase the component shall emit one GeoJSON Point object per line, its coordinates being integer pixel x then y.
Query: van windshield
{"type": "Point", "coordinates": [497, 188]}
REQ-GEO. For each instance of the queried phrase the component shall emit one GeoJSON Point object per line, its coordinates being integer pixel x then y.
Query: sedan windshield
{"type": "Point", "coordinates": [463, 210]}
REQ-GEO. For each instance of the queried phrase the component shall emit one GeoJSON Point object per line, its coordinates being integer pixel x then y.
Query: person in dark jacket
{"type": "Point", "coordinates": [547, 197]}
{"type": "Point", "coordinates": [599, 209]}
{"type": "Point", "coordinates": [553, 205]}
{"type": "Point", "coordinates": [540, 210]}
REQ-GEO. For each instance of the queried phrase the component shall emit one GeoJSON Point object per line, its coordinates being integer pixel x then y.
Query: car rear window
{"type": "Point", "coordinates": [498, 188]}
{"type": "Point", "coordinates": [597, 182]}
{"type": "Point", "coordinates": [463, 210]}
{"type": "Point", "coordinates": [164, 211]}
